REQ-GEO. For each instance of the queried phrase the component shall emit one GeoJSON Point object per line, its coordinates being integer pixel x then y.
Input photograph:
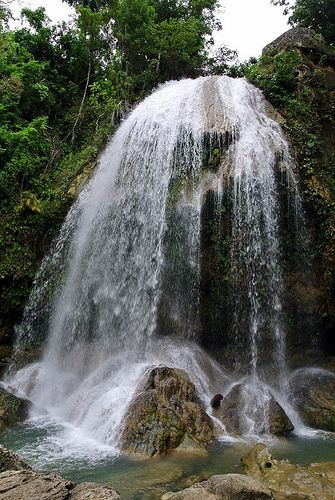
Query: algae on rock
{"type": "Point", "coordinates": [287, 480]}
{"type": "Point", "coordinates": [166, 414]}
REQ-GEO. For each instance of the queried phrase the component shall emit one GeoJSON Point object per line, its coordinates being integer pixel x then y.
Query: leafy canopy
{"type": "Point", "coordinates": [316, 14]}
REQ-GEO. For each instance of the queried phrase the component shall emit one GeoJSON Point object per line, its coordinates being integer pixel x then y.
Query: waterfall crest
{"type": "Point", "coordinates": [98, 297]}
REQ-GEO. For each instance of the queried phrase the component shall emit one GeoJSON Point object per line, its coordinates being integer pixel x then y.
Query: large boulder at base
{"type": "Point", "coordinates": [224, 487]}
{"type": "Point", "coordinates": [11, 461]}
{"type": "Point", "coordinates": [312, 391]}
{"type": "Point", "coordinates": [12, 409]}
{"type": "Point", "coordinates": [166, 414]}
{"type": "Point", "coordinates": [232, 410]}
{"type": "Point", "coordinates": [300, 38]}
{"type": "Point", "coordinates": [286, 480]}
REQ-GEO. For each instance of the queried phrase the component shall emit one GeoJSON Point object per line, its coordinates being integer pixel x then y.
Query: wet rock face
{"type": "Point", "coordinates": [286, 480]}
{"type": "Point", "coordinates": [224, 487]}
{"type": "Point", "coordinates": [313, 394]}
{"type": "Point", "coordinates": [232, 410]}
{"type": "Point", "coordinates": [12, 409]}
{"type": "Point", "coordinates": [166, 414]}
{"type": "Point", "coordinates": [301, 38]}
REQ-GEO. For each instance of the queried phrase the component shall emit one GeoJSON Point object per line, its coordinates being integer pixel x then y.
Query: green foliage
{"type": "Point", "coordinates": [62, 90]}
{"type": "Point", "coordinates": [301, 91]}
{"type": "Point", "coordinates": [277, 76]}
{"type": "Point", "coordinates": [159, 40]}
{"type": "Point", "coordinates": [316, 14]}
{"type": "Point", "coordinates": [224, 61]}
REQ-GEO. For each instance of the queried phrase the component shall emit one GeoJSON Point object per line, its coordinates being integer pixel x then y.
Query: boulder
{"type": "Point", "coordinates": [24, 484]}
{"type": "Point", "coordinates": [232, 412]}
{"type": "Point", "coordinates": [279, 422]}
{"type": "Point", "coordinates": [11, 461]}
{"type": "Point", "coordinates": [166, 414]}
{"type": "Point", "coordinates": [300, 38]}
{"type": "Point", "coordinates": [19, 482]}
{"type": "Point", "coordinates": [93, 491]}
{"type": "Point", "coordinates": [312, 391]}
{"type": "Point", "coordinates": [257, 460]}
{"type": "Point", "coordinates": [224, 487]}
{"type": "Point", "coordinates": [287, 480]}
{"type": "Point", "coordinates": [12, 409]}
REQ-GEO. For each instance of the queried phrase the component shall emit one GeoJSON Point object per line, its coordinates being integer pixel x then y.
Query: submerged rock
{"type": "Point", "coordinates": [12, 409]}
{"type": "Point", "coordinates": [224, 487]}
{"type": "Point", "coordinates": [19, 482]}
{"type": "Point", "coordinates": [232, 410]}
{"type": "Point", "coordinates": [166, 414]}
{"type": "Point", "coordinates": [313, 393]}
{"type": "Point", "coordinates": [286, 480]}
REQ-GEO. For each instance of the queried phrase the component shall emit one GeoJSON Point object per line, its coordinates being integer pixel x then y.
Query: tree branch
{"type": "Point", "coordinates": [83, 98]}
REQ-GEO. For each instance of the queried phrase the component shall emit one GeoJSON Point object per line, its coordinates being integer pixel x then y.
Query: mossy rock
{"type": "Point", "coordinates": [312, 391]}
{"type": "Point", "coordinates": [12, 409]}
{"type": "Point", "coordinates": [231, 412]}
{"type": "Point", "coordinates": [287, 480]}
{"type": "Point", "coordinates": [166, 414]}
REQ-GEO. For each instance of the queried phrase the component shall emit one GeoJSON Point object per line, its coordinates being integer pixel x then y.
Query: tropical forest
{"type": "Point", "coordinates": [167, 252]}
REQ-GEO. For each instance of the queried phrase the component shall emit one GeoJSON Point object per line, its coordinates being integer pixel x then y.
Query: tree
{"type": "Point", "coordinates": [316, 14]}
{"type": "Point", "coordinates": [164, 39]}
{"type": "Point", "coordinates": [62, 89]}
{"type": "Point", "coordinates": [94, 5]}
{"type": "Point", "coordinates": [224, 61]}
{"type": "Point", "coordinates": [157, 40]}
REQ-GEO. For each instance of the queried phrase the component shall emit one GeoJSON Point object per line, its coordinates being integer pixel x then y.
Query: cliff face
{"type": "Point", "coordinates": [296, 73]}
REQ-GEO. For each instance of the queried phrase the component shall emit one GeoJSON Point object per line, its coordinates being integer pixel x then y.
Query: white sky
{"type": "Point", "coordinates": [248, 25]}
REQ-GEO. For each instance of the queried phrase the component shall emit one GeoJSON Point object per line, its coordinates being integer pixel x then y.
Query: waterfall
{"type": "Point", "coordinates": [119, 290]}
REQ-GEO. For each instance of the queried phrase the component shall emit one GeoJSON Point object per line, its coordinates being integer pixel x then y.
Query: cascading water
{"type": "Point", "coordinates": [102, 290]}
{"type": "Point", "coordinates": [255, 253]}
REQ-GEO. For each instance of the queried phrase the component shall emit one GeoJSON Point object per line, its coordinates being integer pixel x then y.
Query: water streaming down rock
{"type": "Point", "coordinates": [257, 154]}
{"type": "Point", "coordinates": [111, 285]}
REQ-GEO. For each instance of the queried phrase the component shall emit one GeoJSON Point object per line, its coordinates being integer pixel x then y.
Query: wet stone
{"type": "Point", "coordinates": [166, 414]}
{"type": "Point", "coordinates": [224, 487]}
{"type": "Point", "coordinates": [312, 392]}
{"type": "Point", "coordinates": [287, 480]}
{"type": "Point", "coordinates": [268, 417]}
